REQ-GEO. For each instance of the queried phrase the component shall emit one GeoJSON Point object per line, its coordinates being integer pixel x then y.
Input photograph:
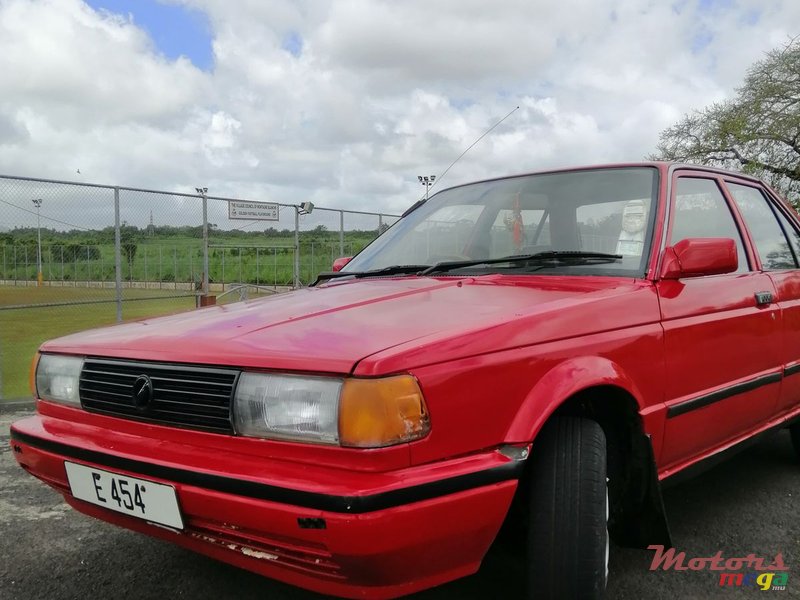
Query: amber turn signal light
{"type": "Point", "coordinates": [32, 374]}
{"type": "Point", "coordinates": [374, 413]}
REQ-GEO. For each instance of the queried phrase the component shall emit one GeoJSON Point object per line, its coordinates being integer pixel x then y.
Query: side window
{"type": "Point", "coordinates": [768, 237]}
{"type": "Point", "coordinates": [700, 211]}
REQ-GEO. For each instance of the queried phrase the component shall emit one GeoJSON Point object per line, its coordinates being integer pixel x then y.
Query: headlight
{"type": "Point", "coordinates": [58, 378]}
{"type": "Point", "coordinates": [363, 413]}
{"type": "Point", "coordinates": [288, 407]}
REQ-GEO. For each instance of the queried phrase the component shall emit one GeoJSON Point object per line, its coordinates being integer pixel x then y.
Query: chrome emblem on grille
{"type": "Point", "coordinates": [142, 392]}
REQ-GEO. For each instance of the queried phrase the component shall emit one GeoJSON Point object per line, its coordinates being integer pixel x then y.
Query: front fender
{"type": "Point", "coordinates": [560, 383]}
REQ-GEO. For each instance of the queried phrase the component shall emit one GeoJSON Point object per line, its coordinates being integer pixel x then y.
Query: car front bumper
{"type": "Point", "coordinates": [368, 535]}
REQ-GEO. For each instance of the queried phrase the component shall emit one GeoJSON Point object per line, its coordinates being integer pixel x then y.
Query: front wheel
{"type": "Point", "coordinates": [567, 533]}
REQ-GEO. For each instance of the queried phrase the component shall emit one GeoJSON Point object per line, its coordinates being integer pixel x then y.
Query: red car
{"type": "Point", "coordinates": [537, 352]}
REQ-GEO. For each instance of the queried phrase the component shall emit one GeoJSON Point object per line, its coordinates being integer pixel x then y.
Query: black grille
{"type": "Point", "coordinates": [186, 396]}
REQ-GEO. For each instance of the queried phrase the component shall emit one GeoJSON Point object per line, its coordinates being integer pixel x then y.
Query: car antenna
{"type": "Point", "coordinates": [460, 156]}
{"type": "Point", "coordinates": [422, 200]}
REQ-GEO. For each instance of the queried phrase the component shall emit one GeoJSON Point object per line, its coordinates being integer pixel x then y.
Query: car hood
{"type": "Point", "coordinates": [378, 325]}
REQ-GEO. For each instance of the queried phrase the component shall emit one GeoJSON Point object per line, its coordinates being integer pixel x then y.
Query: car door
{"type": "Point", "coordinates": [776, 240]}
{"type": "Point", "coordinates": [723, 366]}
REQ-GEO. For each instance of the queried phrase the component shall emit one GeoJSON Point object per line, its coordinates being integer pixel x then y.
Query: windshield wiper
{"type": "Point", "coordinates": [390, 270]}
{"type": "Point", "coordinates": [555, 257]}
{"type": "Point", "coordinates": [558, 258]}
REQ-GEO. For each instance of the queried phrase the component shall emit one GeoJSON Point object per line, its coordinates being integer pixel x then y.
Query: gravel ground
{"type": "Point", "coordinates": [750, 504]}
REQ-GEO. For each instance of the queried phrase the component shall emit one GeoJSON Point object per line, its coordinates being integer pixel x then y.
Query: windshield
{"type": "Point", "coordinates": [599, 210]}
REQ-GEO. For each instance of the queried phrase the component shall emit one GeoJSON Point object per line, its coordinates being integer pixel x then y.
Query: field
{"type": "Point", "coordinates": [23, 330]}
{"type": "Point", "coordinates": [164, 259]}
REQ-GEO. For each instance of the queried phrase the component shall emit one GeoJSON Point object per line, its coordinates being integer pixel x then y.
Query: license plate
{"type": "Point", "coordinates": [135, 497]}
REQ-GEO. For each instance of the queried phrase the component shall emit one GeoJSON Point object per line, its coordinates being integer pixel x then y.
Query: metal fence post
{"type": "Point", "coordinates": [296, 247]}
{"type": "Point", "coordinates": [341, 233]}
{"type": "Point", "coordinates": [117, 256]}
{"type": "Point", "coordinates": [205, 244]}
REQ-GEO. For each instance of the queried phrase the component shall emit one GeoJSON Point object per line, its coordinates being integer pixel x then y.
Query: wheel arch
{"type": "Point", "coordinates": [560, 385]}
{"type": "Point", "coordinates": [598, 389]}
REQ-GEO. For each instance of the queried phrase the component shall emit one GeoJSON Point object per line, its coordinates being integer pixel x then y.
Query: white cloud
{"type": "Point", "coordinates": [381, 91]}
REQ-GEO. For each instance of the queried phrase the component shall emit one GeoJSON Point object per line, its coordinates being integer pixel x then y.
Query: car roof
{"type": "Point", "coordinates": [661, 165]}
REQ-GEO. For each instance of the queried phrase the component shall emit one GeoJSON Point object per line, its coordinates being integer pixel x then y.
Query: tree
{"type": "Point", "coordinates": [129, 236]}
{"type": "Point", "coordinates": [757, 132]}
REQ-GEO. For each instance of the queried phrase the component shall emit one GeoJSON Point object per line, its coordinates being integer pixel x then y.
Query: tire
{"type": "Point", "coordinates": [567, 541]}
{"type": "Point", "coordinates": [794, 431]}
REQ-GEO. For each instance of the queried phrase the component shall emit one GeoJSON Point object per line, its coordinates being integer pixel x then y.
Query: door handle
{"type": "Point", "coordinates": [763, 298]}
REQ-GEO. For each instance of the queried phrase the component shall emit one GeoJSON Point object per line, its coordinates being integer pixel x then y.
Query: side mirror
{"type": "Point", "coordinates": [339, 263]}
{"type": "Point", "coordinates": [695, 257]}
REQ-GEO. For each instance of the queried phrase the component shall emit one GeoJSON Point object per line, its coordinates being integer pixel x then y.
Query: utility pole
{"type": "Point", "coordinates": [37, 202]}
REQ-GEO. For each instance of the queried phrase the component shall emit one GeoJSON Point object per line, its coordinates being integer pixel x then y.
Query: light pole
{"type": "Point", "coordinates": [427, 181]}
{"type": "Point", "coordinates": [37, 202]}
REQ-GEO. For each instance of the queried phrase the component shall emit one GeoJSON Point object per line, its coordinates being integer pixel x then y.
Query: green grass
{"type": "Point", "coordinates": [252, 259]}
{"type": "Point", "coordinates": [23, 330]}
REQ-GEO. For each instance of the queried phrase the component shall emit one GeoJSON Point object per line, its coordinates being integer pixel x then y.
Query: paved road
{"type": "Point", "coordinates": [751, 504]}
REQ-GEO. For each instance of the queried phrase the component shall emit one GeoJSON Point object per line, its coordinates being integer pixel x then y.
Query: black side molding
{"type": "Point", "coordinates": [734, 390]}
{"type": "Point", "coordinates": [793, 370]}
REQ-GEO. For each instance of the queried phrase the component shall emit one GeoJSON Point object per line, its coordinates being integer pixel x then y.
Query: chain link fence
{"type": "Point", "coordinates": [77, 255]}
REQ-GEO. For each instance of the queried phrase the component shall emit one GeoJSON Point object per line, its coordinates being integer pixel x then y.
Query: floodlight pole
{"type": "Point", "coordinates": [427, 181]}
{"type": "Point", "coordinates": [38, 204]}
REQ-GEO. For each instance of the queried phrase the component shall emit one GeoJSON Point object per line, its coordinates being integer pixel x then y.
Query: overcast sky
{"type": "Point", "coordinates": [344, 103]}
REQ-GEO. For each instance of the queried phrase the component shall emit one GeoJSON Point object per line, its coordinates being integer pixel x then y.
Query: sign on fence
{"type": "Point", "coordinates": [260, 211]}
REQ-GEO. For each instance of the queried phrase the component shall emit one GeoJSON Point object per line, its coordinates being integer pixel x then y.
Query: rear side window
{"type": "Point", "coordinates": [768, 236]}
{"type": "Point", "coordinates": [791, 232]}
{"type": "Point", "coordinates": [702, 212]}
